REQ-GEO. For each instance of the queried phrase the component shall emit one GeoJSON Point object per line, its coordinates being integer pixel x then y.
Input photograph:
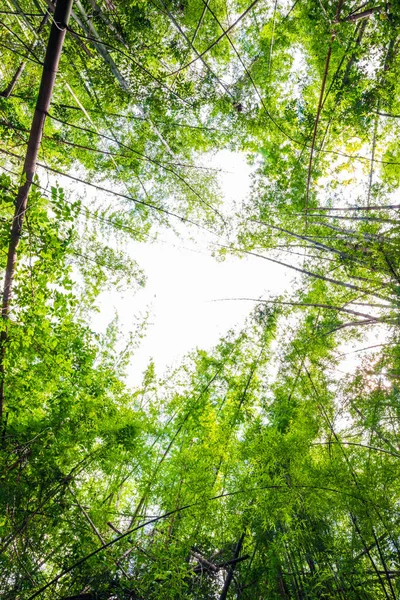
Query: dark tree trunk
{"type": "Point", "coordinates": [50, 67]}
{"type": "Point", "coordinates": [10, 88]}
{"type": "Point", "coordinates": [365, 13]}
{"type": "Point", "coordinates": [229, 577]}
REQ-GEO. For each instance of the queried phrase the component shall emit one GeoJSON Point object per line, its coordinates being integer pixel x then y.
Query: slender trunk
{"type": "Point", "coordinates": [282, 587]}
{"type": "Point", "coordinates": [370, 207]}
{"type": "Point", "coordinates": [23, 16]}
{"type": "Point", "coordinates": [373, 219]}
{"type": "Point", "coordinates": [314, 305]}
{"type": "Point", "coordinates": [98, 12]}
{"type": "Point", "coordinates": [321, 246]}
{"type": "Point", "coordinates": [359, 30]}
{"type": "Point", "coordinates": [365, 13]}
{"type": "Point", "coordinates": [204, 564]}
{"type": "Point", "coordinates": [10, 88]}
{"type": "Point", "coordinates": [229, 577]}
{"type": "Point", "coordinates": [344, 443]}
{"type": "Point", "coordinates": [87, 517]}
{"type": "Point", "coordinates": [351, 234]}
{"type": "Point", "coordinates": [338, 70]}
{"type": "Point", "coordinates": [294, 573]}
{"type": "Point", "coordinates": [386, 571]}
{"type": "Point", "coordinates": [353, 57]}
{"type": "Point", "coordinates": [370, 547]}
{"type": "Point", "coordinates": [190, 43]}
{"type": "Point", "coordinates": [385, 114]}
{"type": "Point", "coordinates": [315, 128]}
{"type": "Point", "coordinates": [319, 108]}
{"type": "Point", "coordinates": [166, 452]}
{"type": "Point", "coordinates": [50, 67]}
{"type": "Point", "coordinates": [79, 41]}
{"type": "Point", "coordinates": [368, 553]}
{"type": "Point", "coordinates": [91, 31]}
{"type": "Point", "coordinates": [306, 272]}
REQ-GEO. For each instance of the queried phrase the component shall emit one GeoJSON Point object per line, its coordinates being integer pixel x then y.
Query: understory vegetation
{"type": "Point", "coordinates": [265, 467]}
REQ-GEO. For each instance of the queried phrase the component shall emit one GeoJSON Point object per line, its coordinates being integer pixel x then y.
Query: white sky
{"type": "Point", "coordinates": [183, 279]}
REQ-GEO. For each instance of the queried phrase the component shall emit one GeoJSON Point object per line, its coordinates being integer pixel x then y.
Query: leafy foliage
{"type": "Point", "coordinates": [266, 467]}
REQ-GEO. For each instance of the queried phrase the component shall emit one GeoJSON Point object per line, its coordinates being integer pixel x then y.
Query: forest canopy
{"type": "Point", "coordinates": [261, 468]}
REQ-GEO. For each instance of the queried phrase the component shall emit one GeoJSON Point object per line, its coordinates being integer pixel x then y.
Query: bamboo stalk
{"type": "Point", "coordinates": [50, 68]}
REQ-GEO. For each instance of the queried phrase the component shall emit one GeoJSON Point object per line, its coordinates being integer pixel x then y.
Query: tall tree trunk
{"type": "Point", "coordinates": [98, 12]}
{"type": "Point", "coordinates": [366, 13]}
{"type": "Point", "coordinates": [319, 108]}
{"type": "Point", "coordinates": [229, 577]}
{"type": "Point", "coordinates": [90, 30]}
{"type": "Point", "coordinates": [50, 67]}
{"type": "Point", "coordinates": [9, 89]}
{"type": "Point", "coordinates": [350, 286]}
{"type": "Point", "coordinates": [23, 16]}
{"type": "Point", "coordinates": [6, 93]}
{"type": "Point", "coordinates": [353, 58]}
{"type": "Point", "coordinates": [319, 245]}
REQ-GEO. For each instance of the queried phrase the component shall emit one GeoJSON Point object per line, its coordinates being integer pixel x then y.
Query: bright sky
{"type": "Point", "coordinates": [183, 279]}
{"type": "Point", "coordinates": [183, 282]}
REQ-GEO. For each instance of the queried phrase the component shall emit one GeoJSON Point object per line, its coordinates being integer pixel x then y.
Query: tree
{"type": "Point", "coordinates": [266, 467]}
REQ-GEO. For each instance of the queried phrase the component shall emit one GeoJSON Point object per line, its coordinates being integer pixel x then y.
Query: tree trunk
{"type": "Point", "coordinates": [98, 12]}
{"type": "Point", "coordinates": [91, 32]}
{"type": "Point", "coordinates": [23, 16]}
{"type": "Point", "coordinates": [350, 286]}
{"type": "Point", "coordinates": [365, 13]}
{"type": "Point", "coordinates": [50, 67]}
{"type": "Point", "coordinates": [353, 58]}
{"type": "Point", "coordinates": [229, 577]}
{"type": "Point", "coordinates": [319, 245]}
{"type": "Point", "coordinates": [319, 108]}
{"type": "Point", "coordinates": [9, 89]}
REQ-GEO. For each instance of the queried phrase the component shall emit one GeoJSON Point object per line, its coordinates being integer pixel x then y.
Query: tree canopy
{"type": "Point", "coordinates": [264, 467]}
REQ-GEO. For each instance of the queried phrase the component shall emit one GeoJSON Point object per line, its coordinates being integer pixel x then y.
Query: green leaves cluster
{"type": "Point", "coordinates": [266, 467]}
